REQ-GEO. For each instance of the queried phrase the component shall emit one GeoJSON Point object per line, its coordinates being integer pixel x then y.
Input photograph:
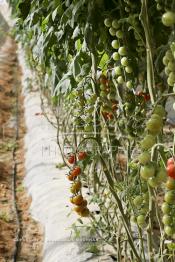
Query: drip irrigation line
{"type": "Point", "coordinates": [18, 235]}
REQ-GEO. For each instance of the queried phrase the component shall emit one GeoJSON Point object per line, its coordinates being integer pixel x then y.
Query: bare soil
{"type": "Point", "coordinates": [14, 202]}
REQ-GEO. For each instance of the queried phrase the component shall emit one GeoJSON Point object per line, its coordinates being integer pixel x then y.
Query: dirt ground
{"type": "Point", "coordinates": [20, 236]}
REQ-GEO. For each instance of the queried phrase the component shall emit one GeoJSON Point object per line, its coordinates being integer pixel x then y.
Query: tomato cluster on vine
{"type": "Point", "coordinates": [168, 207]}
{"type": "Point", "coordinates": [76, 186]}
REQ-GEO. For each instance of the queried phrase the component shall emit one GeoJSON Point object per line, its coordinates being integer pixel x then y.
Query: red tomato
{"type": "Point", "coordinates": [170, 161]}
{"type": "Point", "coordinates": [171, 170]}
{"type": "Point", "coordinates": [146, 97]}
{"type": "Point", "coordinates": [76, 171]}
{"type": "Point", "coordinates": [82, 155]}
{"type": "Point", "coordinates": [71, 159]}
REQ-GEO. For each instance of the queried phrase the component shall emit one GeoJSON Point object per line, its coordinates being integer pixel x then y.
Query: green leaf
{"type": "Point", "coordinates": [44, 23]}
{"type": "Point", "coordinates": [75, 66]}
{"type": "Point", "coordinates": [54, 14]}
{"type": "Point", "coordinates": [76, 11]}
{"type": "Point", "coordinates": [78, 44]}
{"type": "Point", "coordinates": [24, 8]}
{"type": "Point", "coordinates": [103, 61]}
{"type": "Point", "coordinates": [76, 32]}
{"type": "Point", "coordinates": [85, 69]}
{"type": "Point", "coordinates": [54, 100]}
{"type": "Point", "coordinates": [64, 84]}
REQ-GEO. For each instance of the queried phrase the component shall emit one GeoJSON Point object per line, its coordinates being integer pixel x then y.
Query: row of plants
{"type": "Point", "coordinates": [107, 69]}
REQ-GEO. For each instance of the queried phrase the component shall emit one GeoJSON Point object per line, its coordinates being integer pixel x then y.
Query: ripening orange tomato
{"type": "Point", "coordinates": [75, 188]}
{"type": "Point", "coordinates": [77, 200]}
{"type": "Point", "coordinates": [76, 171]}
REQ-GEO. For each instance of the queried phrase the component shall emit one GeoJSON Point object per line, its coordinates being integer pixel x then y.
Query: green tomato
{"type": "Point", "coordinates": [143, 210]}
{"type": "Point", "coordinates": [128, 69]}
{"type": "Point", "coordinates": [165, 60]}
{"type": "Point", "coordinates": [173, 46]}
{"type": "Point", "coordinates": [161, 175]}
{"type": "Point", "coordinates": [154, 126]}
{"type": "Point", "coordinates": [122, 51]}
{"type": "Point", "coordinates": [138, 200]}
{"type": "Point", "coordinates": [120, 80]}
{"type": "Point", "coordinates": [146, 196]}
{"type": "Point", "coordinates": [166, 220]}
{"type": "Point", "coordinates": [147, 171]}
{"type": "Point", "coordinates": [124, 61]}
{"type": "Point", "coordinates": [133, 219]}
{"type": "Point", "coordinates": [167, 71]}
{"type": "Point", "coordinates": [170, 197]}
{"type": "Point", "coordinates": [166, 209]}
{"type": "Point", "coordinates": [169, 55]}
{"type": "Point", "coordinates": [102, 87]}
{"type": "Point", "coordinates": [118, 70]}
{"type": "Point", "coordinates": [129, 84]}
{"type": "Point", "coordinates": [170, 82]}
{"type": "Point", "coordinates": [116, 56]}
{"type": "Point", "coordinates": [168, 18]}
{"type": "Point", "coordinates": [170, 183]}
{"type": "Point", "coordinates": [148, 142]}
{"type": "Point", "coordinates": [107, 22]}
{"type": "Point", "coordinates": [112, 31]}
{"type": "Point", "coordinates": [103, 94]}
{"type": "Point", "coordinates": [172, 76]}
{"type": "Point", "coordinates": [169, 230]}
{"type": "Point", "coordinates": [171, 66]}
{"type": "Point", "coordinates": [119, 34]}
{"type": "Point", "coordinates": [115, 44]}
{"type": "Point", "coordinates": [157, 117]}
{"type": "Point", "coordinates": [144, 158]}
{"type": "Point", "coordinates": [115, 24]}
{"type": "Point", "coordinates": [159, 110]}
{"type": "Point", "coordinates": [153, 182]}
{"type": "Point", "coordinates": [141, 221]}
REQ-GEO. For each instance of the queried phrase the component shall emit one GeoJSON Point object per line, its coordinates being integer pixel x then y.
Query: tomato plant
{"type": "Point", "coordinates": [107, 69]}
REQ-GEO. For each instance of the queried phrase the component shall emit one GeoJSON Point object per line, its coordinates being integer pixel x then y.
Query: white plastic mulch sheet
{"type": "Point", "coordinates": [46, 184]}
